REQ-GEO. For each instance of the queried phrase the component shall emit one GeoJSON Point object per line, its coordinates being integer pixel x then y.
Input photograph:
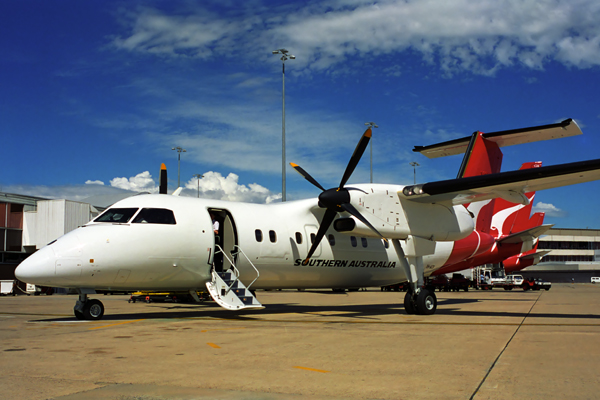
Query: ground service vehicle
{"type": "Point", "coordinates": [535, 284]}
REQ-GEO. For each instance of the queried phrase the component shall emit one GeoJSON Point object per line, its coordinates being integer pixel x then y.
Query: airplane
{"type": "Point", "coordinates": [349, 237]}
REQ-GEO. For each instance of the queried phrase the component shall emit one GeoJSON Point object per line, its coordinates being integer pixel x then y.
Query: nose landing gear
{"type": "Point", "coordinates": [88, 309]}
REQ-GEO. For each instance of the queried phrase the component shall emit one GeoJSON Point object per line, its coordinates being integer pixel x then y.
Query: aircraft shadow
{"type": "Point", "coordinates": [354, 312]}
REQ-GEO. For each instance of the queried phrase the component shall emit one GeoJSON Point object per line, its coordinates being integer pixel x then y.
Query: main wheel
{"type": "Point", "coordinates": [409, 304]}
{"type": "Point", "coordinates": [426, 302]}
{"type": "Point", "coordinates": [93, 309]}
{"type": "Point", "coordinates": [79, 315]}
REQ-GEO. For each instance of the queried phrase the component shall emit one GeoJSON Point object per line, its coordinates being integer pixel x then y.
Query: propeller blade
{"type": "Point", "coordinates": [162, 188]}
{"type": "Point", "coordinates": [306, 176]}
{"type": "Point", "coordinates": [356, 156]}
{"type": "Point", "coordinates": [325, 223]}
{"type": "Point", "coordinates": [350, 208]}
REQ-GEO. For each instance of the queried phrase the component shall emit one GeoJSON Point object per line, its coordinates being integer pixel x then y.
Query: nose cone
{"type": "Point", "coordinates": [38, 268]}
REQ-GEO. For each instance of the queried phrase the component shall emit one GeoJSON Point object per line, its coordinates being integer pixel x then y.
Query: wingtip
{"type": "Point", "coordinates": [294, 165]}
{"type": "Point", "coordinates": [163, 167]}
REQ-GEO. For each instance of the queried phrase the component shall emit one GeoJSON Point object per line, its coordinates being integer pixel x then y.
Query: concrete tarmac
{"type": "Point", "coordinates": [311, 345]}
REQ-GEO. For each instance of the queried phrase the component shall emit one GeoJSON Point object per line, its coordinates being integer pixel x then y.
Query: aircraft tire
{"type": "Point", "coordinates": [409, 304]}
{"type": "Point", "coordinates": [93, 310]}
{"type": "Point", "coordinates": [79, 315]}
{"type": "Point", "coordinates": [426, 302]}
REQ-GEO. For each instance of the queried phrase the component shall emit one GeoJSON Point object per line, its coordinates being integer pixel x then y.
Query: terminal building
{"type": "Point", "coordinates": [574, 256]}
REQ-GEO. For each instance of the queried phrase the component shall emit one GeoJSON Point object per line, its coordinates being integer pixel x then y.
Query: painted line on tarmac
{"type": "Point", "coordinates": [36, 314]}
{"type": "Point", "coordinates": [120, 323]}
{"type": "Point", "coordinates": [214, 346]}
{"type": "Point", "coordinates": [309, 321]}
{"type": "Point", "coordinates": [221, 329]}
{"type": "Point", "coordinates": [313, 369]}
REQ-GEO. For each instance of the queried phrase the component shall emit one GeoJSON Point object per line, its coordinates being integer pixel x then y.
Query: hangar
{"type": "Point", "coordinates": [28, 223]}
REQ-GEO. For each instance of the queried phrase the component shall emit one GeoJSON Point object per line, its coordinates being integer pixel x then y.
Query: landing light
{"type": "Point", "coordinates": [413, 190]}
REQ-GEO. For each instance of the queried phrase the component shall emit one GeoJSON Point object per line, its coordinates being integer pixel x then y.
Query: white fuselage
{"type": "Point", "coordinates": [275, 238]}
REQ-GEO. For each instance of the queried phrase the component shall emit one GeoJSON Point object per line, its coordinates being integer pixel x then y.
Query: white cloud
{"type": "Point", "coordinates": [481, 37]}
{"type": "Point", "coordinates": [90, 182]}
{"type": "Point", "coordinates": [142, 182]}
{"type": "Point", "coordinates": [550, 210]}
{"type": "Point", "coordinates": [214, 186]}
{"type": "Point", "coordinates": [69, 192]}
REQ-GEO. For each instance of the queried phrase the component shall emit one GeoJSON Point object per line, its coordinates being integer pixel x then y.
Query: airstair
{"type": "Point", "coordinates": [227, 290]}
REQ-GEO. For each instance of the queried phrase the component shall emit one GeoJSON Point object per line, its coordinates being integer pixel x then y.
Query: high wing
{"type": "Point", "coordinates": [509, 186]}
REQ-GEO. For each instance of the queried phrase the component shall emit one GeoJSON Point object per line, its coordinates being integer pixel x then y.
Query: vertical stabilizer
{"type": "Point", "coordinates": [482, 157]}
{"type": "Point", "coordinates": [510, 217]}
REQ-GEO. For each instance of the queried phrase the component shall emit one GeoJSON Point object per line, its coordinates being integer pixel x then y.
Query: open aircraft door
{"type": "Point", "coordinates": [225, 239]}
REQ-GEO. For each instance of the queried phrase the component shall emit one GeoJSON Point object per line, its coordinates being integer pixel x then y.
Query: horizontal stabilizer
{"type": "Point", "coordinates": [563, 129]}
{"type": "Point", "coordinates": [525, 235]}
{"type": "Point", "coordinates": [535, 256]}
{"type": "Point", "coordinates": [485, 187]}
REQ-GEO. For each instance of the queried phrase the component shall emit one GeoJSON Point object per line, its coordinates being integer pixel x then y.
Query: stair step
{"type": "Point", "coordinates": [247, 300]}
{"type": "Point", "coordinates": [229, 292]}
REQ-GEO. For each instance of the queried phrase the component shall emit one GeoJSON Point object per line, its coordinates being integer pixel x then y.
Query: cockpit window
{"type": "Point", "coordinates": [155, 216]}
{"type": "Point", "coordinates": [117, 215]}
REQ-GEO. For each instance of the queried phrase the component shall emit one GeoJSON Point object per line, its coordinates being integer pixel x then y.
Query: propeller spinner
{"type": "Point", "coordinates": [337, 200]}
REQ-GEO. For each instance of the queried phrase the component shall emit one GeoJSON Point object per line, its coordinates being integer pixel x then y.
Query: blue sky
{"type": "Point", "coordinates": [94, 94]}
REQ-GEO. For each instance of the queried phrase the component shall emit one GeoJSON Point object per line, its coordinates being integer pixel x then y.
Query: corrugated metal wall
{"type": "Point", "coordinates": [53, 219]}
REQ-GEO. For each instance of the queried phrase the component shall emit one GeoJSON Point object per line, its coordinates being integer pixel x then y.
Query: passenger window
{"type": "Point", "coordinates": [155, 216]}
{"type": "Point", "coordinates": [272, 236]}
{"type": "Point", "coordinates": [258, 235]}
{"type": "Point", "coordinates": [298, 238]}
{"type": "Point", "coordinates": [331, 240]}
{"type": "Point", "coordinates": [364, 242]}
{"type": "Point", "coordinates": [117, 215]}
{"type": "Point", "coordinates": [353, 241]}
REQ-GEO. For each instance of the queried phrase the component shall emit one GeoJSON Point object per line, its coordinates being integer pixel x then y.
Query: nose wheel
{"type": "Point", "coordinates": [88, 309]}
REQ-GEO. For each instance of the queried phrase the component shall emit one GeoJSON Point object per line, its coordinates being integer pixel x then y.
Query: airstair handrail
{"type": "Point", "coordinates": [239, 249]}
{"type": "Point", "coordinates": [235, 270]}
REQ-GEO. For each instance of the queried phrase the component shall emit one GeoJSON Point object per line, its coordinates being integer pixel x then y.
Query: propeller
{"type": "Point", "coordinates": [337, 200]}
{"type": "Point", "coordinates": [162, 188]}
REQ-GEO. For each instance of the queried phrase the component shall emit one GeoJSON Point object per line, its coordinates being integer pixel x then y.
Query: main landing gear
{"type": "Point", "coordinates": [88, 309]}
{"type": "Point", "coordinates": [422, 303]}
{"type": "Point", "coordinates": [418, 300]}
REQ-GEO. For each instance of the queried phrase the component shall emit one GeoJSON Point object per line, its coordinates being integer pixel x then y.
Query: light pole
{"type": "Point", "coordinates": [371, 125]}
{"type": "Point", "coordinates": [415, 164]}
{"type": "Point", "coordinates": [284, 57]}
{"type": "Point", "coordinates": [199, 177]}
{"type": "Point", "coordinates": [179, 151]}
